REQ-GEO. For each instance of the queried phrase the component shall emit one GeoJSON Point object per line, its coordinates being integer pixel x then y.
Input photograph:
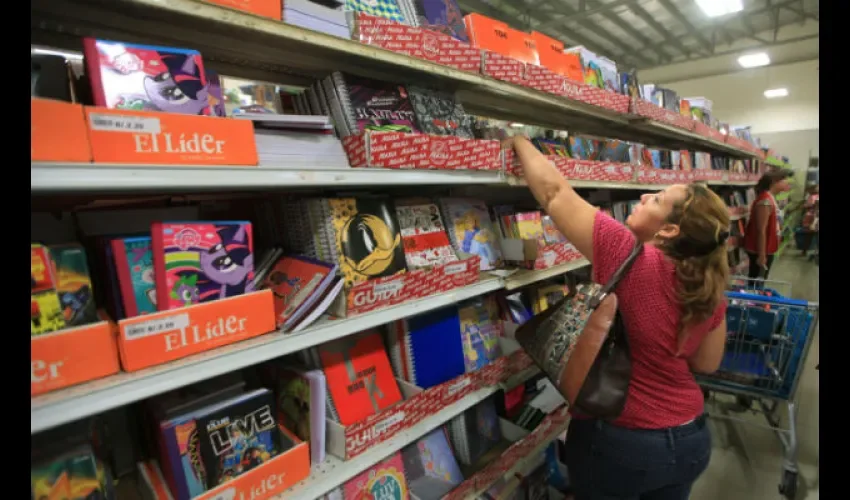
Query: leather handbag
{"type": "Point", "coordinates": [581, 345]}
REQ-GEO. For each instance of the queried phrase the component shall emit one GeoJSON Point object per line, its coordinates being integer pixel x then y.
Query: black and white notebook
{"type": "Point", "coordinates": [439, 113]}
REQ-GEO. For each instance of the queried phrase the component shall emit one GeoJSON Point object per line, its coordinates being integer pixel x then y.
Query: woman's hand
{"type": "Point", "coordinates": [762, 261]}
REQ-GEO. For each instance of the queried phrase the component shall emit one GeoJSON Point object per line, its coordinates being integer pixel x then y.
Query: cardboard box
{"type": "Point", "coordinates": [164, 336]}
{"type": "Point", "coordinates": [58, 132]}
{"type": "Point", "coordinates": [265, 481]}
{"type": "Point", "coordinates": [552, 56]}
{"type": "Point", "coordinates": [264, 8]}
{"type": "Point", "coordinates": [153, 138]}
{"type": "Point", "coordinates": [72, 356]}
{"type": "Point", "coordinates": [392, 290]}
{"type": "Point", "coordinates": [496, 36]}
{"type": "Point", "coordinates": [347, 442]}
{"type": "Point", "coordinates": [399, 150]}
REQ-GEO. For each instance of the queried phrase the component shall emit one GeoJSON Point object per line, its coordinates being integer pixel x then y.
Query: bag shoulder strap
{"type": "Point", "coordinates": [618, 274]}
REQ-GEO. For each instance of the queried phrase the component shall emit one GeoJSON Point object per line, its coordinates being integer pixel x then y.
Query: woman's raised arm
{"type": "Point", "coordinates": [572, 215]}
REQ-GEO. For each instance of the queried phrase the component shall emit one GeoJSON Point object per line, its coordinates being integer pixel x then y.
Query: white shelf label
{"type": "Point", "coordinates": [156, 326]}
{"type": "Point", "coordinates": [458, 386]}
{"type": "Point", "coordinates": [388, 422]}
{"type": "Point", "coordinates": [389, 288]}
{"type": "Point", "coordinates": [454, 268]}
{"type": "Point", "coordinates": [124, 123]}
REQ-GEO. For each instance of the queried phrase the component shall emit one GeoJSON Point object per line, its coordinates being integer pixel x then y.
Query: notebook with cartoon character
{"type": "Point", "coordinates": [471, 231]}
{"type": "Point", "coordinates": [134, 266]}
{"type": "Point", "coordinates": [197, 262]}
{"type": "Point", "coordinates": [384, 480]}
{"type": "Point", "coordinates": [480, 332]}
{"type": "Point", "coordinates": [146, 77]}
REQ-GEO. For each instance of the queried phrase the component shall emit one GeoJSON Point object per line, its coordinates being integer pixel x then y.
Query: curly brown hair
{"type": "Point", "coordinates": [699, 252]}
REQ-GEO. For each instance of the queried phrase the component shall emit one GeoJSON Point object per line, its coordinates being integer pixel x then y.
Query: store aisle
{"type": "Point", "coordinates": [747, 460]}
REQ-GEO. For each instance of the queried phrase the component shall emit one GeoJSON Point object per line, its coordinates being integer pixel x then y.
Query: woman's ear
{"type": "Point", "coordinates": [668, 231]}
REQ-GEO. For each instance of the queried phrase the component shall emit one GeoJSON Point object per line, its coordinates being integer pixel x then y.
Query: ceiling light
{"type": "Point", "coordinates": [717, 8]}
{"type": "Point", "coordinates": [774, 93]}
{"type": "Point", "coordinates": [754, 60]}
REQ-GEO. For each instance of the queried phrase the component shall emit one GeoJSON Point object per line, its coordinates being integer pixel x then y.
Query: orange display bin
{"type": "Point", "coordinates": [164, 336]}
{"type": "Point", "coordinates": [58, 132]}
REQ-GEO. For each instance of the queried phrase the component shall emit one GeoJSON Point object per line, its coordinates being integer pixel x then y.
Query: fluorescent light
{"type": "Point", "coordinates": [754, 60]}
{"type": "Point", "coordinates": [774, 93]}
{"type": "Point", "coordinates": [517, 125]}
{"type": "Point", "coordinates": [51, 52]}
{"type": "Point", "coordinates": [717, 8]}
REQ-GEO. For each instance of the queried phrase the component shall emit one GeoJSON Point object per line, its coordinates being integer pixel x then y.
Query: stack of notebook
{"type": "Point", "coordinates": [296, 141]}
{"type": "Point", "coordinates": [359, 377]}
{"type": "Point", "coordinates": [324, 17]}
{"type": "Point", "coordinates": [430, 466]}
{"type": "Point", "coordinates": [426, 349]}
{"type": "Point", "coordinates": [476, 431]}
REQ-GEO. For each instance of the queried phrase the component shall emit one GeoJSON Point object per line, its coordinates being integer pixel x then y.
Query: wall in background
{"type": "Point", "coordinates": [797, 146]}
{"type": "Point", "coordinates": [739, 97]}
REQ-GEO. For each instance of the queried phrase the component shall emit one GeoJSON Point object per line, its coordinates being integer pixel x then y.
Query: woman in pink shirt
{"type": "Point", "coordinates": [673, 306]}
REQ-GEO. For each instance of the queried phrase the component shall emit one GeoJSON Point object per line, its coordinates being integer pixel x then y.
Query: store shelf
{"type": "Point", "coordinates": [334, 472]}
{"type": "Point", "coordinates": [244, 45]}
{"type": "Point", "coordinates": [523, 463]}
{"type": "Point", "coordinates": [528, 277]}
{"type": "Point", "coordinates": [67, 405]}
{"type": "Point", "coordinates": [87, 177]}
{"type": "Point", "coordinates": [579, 184]}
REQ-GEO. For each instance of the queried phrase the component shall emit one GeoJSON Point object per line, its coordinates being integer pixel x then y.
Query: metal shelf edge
{"type": "Point", "coordinates": [67, 405]}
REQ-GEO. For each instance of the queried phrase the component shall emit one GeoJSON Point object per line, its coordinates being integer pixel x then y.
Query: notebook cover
{"type": "Point", "coordinates": [443, 16]}
{"type": "Point", "coordinates": [296, 283]}
{"type": "Point", "coordinates": [359, 377]}
{"type": "Point", "coordinates": [436, 350]}
{"type": "Point", "coordinates": [384, 480]}
{"type": "Point", "coordinates": [367, 239]}
{"type": "Point", "coordinates": [388, 9]}
{"type": "Point", "coordinates": [426, 243]}
{"type": "Point", "coordinates": [146, 77]}
{"type": "Point", "coordinates": [430, 466]}
{"type": "Point", "coordinates": [373, 105]}
{"type": "Point", "coordinates": [301, 407]}
{"type": "Point", "coordinates": [439, 113]}
{"type": "Point", "coordinates": [134, 266]}
{"type": "Point", "coordinates": [480, 332]}
{"type": "Point", "coordinates": [238, 435]}
{"type": "Point", "coordinates": [472, 233]}
{"type": "Point", "coordinates": [197, 262]}
{"type": "Point", "coordinates": [73, 284]}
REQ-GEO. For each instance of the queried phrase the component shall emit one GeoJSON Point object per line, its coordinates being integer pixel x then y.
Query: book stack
{"type": "Point", "coordinates": [296, 141]}
{"type": "Point", "coordinates": [210, 433]}
{"type": "Point", "coordinates": [324, 17]}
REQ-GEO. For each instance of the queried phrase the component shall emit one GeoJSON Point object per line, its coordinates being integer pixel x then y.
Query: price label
{"type": "Point", "coordinates": [156, 326]}
{"type": "Point", "coordinates": [388, 422]}
{"type": "Point", "coordinates": [391, 287]}
{"type": "Point", "coordinates": [454, 268]}
{"type": "Point", "coordinates": [458, 386]}
{"type": "Point", "coordinates": [102, 122]}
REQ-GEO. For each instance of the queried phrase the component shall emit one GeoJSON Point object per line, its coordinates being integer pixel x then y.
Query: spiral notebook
{"type": "Point", "coordinates": [426, 349]}
{"type": "Point", "coordinates": [423, 234]}
{"type": "Point", "coordinates": [475, 431]}
{"type": "Point", "coordinates": [358, 104]}
{"type": "Point", "coordinates": [439, 113]}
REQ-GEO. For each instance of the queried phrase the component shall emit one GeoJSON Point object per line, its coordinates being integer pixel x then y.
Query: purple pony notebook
{"type": "Point", "coordinates": [444, 16]}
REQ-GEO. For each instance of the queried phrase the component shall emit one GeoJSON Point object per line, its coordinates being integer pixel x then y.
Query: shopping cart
{"type": "Point", "coordinates": [768, 338]}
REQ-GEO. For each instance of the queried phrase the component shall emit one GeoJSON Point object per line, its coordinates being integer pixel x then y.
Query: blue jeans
{"type": "Point", "coordinates": [606, 462]}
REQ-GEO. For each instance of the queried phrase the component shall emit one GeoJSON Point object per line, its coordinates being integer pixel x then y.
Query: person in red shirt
{"type": "Point", "coordinates": [764, 233]}
{"type": "Point", "coordinates": [673, 307]}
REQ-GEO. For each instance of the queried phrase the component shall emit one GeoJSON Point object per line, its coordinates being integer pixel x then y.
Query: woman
{"type": "Point", "coordinates": [811, 217]}
{"type": "Point", "coordinates": [764, 232]}
{"type": "Point", "coordinates": [673, 307]}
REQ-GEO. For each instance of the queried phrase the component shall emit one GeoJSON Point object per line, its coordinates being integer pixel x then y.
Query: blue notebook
{"type": "Point", "coordinates": [427, 349]}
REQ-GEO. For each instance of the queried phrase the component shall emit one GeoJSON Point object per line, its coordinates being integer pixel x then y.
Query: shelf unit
{"type": "Point", "coordinates": [247, 46]}
{"type": "Point", "coordinates": [48, 178]}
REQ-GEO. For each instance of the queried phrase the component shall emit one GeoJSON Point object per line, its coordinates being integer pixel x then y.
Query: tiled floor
{"type": "Point", "coordinates": [747, 460]}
